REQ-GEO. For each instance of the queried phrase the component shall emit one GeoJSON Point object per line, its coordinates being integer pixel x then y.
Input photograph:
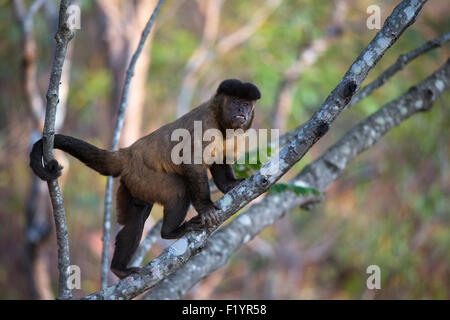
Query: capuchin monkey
{"type": "Point", "coordinates": [148, 175]}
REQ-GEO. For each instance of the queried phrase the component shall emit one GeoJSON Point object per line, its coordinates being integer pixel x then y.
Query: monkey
{"type": "Point", "coordinates": [147, 174]}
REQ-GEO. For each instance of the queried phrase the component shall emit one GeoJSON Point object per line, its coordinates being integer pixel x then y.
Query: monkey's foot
{"type": "Point", "coordinates": [126, 272]}
{"type": "Point", "coordinates": [195, 224]}
{"type": "Point", "coordinates": [209, 217]}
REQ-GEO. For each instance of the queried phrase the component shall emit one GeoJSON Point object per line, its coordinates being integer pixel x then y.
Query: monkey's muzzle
{"type": "Point", "coordinates": [241, 119]}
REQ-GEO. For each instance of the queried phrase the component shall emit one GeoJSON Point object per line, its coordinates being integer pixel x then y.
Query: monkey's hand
{"type": "Point", "coordinates": [207, 217]}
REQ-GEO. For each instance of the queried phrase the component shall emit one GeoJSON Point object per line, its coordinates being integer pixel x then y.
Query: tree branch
{"type": "Point", "coordinates": [62, 37]}
{"type": "Point", "coordinates": [437, 42]}
{"type": "Point", "coordinates": [318, 174]}
{"type": "Point", "coordinates": [115, 142]}
{"type": "Point", "coordinates": [401, 62]}
{"type": "Point", "coordinates": [181, 250]}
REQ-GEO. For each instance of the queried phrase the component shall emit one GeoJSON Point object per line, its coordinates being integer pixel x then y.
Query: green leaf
{"type": "Point", "coordinates": [300, 191]}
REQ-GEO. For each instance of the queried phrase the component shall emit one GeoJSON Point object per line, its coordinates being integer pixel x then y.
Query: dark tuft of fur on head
{"type": "Point", "coordinates": [239, 89]}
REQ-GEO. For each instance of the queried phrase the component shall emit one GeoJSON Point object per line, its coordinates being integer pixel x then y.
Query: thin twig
{"type": "Point", "coordinates": [38, 221]}
{"type": "Point", "coordinates": [62, 37]}
{"type": "Point", "coordinates": [115, 142]}
{"type": "Point", "coordinates": [400, 63]}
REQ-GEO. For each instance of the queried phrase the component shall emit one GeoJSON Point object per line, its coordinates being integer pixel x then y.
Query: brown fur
{"type": "Point", "coordinates": [148, 175]}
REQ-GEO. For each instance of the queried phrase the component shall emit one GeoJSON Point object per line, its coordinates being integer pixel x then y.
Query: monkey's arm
{"type": "Point", "coordinates": [198, 189]}
{"type": "Point", "coordinates": [223, 176]}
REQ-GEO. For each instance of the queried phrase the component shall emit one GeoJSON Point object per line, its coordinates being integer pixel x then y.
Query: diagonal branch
{"type": "Point", "coordinates": [318, 174]}
{"type": "Point", "coordinates": [181, 250]}
{"type": "Point", "coordinates": [435, 43]}
{"type": "Point", "coordinates": [401, 62]}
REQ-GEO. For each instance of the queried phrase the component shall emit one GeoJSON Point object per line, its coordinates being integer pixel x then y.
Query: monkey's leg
{"type": "Point", "coordinates": [174, 215]}
{"type": "Point", "coordinates": [223, 176]}
{"type": "Point", "coordinates": [127, 240]}
{"type": "Point", "coordinates": [197, 187]}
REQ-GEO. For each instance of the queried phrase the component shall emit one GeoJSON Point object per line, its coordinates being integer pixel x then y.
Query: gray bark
{"type": "Point", "coordinates": [38, 205]}
{"type": "Point", "coordinates": [62, 37]}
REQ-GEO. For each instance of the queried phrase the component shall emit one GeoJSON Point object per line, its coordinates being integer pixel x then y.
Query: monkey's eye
{"type": "Point", "coordinates": [245, 104]}
{"type": "Point", "coordinates": [235, 102]}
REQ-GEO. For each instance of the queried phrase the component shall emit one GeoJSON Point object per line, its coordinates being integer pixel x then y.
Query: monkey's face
{"type": "Point", "coordinates": [237, 113]}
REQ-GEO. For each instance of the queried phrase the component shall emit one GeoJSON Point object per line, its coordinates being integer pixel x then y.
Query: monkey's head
{"type": "Point", "coordinates": [236, 102]}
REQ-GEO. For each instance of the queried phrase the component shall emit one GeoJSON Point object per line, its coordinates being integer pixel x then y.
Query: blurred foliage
{"type": "Point", "coordinates": [252, 163]}
{"type": "Point", "coordinates": [390, 208]}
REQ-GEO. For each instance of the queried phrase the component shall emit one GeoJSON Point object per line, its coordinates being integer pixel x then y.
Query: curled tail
{"type": "Point", "coordinates": [108, 163]}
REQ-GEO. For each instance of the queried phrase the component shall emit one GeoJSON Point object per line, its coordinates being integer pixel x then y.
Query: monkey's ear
{"type": "Point", "coordinates": [239, 89]}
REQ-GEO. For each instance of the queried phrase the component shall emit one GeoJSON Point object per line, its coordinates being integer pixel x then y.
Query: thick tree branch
{"type": "Point", "coordinates": [318, 174]}
{"type": "Point", "coordinates": [62, 37]}
{"type": "Point", "coordinates": [181, 250]}
{"type": "Point", "coordinates": [115, 143]}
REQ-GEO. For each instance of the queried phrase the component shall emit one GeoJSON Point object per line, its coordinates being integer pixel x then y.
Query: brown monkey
{"type": "Point", "coordinates": [148, 175]}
